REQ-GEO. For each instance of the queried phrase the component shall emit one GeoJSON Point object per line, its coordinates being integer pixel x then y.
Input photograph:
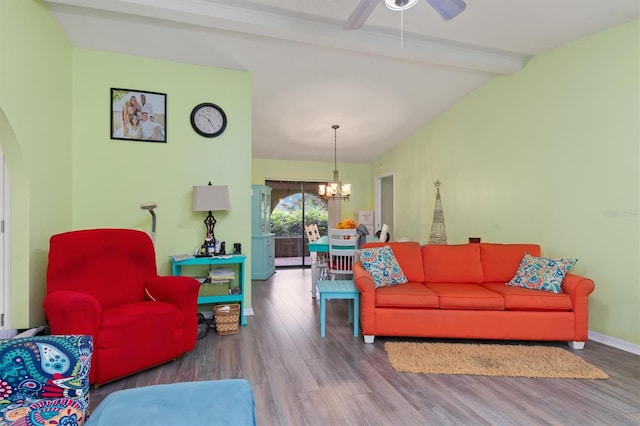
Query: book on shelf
{"type": "Point", "coordinates": [222, 274]}
{"type": "Point", "coordinates": [179, 257]}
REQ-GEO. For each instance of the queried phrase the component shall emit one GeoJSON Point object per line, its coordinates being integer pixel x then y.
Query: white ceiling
{"type": "Point", "coordinates": [308, 73]}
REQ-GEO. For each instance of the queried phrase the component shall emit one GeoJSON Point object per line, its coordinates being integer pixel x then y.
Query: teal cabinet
{"type": "Point", "coordinates": [263, 257]}
{"type": "Point", "coordinates": [263, 262]}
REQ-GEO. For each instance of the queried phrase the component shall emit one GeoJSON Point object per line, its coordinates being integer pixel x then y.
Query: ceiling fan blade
{"type": "Point", "coordinates": [360, 14]}
{"type": "Point", "coordinates": [448, 9]}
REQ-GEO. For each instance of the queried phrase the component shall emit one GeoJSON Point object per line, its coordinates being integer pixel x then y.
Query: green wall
{"type": "Point", "coordinates": [66, 173]}
{"type": "Point", "coordinates": [547, 155]}
{"type": "Point", "coordinates": [358, 175]}
{"type": "Point", "coordinates": [111, 178]}
{"type": "Point", "coordinates": [35, 137]}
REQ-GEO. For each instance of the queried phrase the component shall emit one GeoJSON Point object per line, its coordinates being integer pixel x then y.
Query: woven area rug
{"type": "Point", "coordinates": [489, 360]}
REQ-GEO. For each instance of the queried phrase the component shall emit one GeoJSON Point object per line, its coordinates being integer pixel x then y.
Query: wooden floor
{"type": "Point", "coordinates": [299, 378]}
{"type": "Point", "coordinates": [292, 261]}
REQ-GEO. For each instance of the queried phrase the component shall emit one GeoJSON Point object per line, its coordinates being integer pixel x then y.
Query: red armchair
{"type": "Point", "coordinates": [104, 283]}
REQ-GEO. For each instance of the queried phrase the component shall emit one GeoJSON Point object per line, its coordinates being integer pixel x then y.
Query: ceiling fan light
{"type": "Point", "coordinates": [396, 5]}
{"type": "Point", "coordinates": [447, 9]}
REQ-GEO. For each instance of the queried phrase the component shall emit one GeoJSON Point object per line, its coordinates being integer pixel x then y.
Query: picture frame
{"type": "Point", "coordinates": [138, 115]}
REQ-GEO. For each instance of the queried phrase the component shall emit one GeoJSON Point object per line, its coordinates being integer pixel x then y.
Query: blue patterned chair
{"type": "Point", "coordinates": [44, 380]}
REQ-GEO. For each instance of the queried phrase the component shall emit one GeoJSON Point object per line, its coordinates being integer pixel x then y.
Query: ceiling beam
{"type": "Point", "coordinates": [301, 29]}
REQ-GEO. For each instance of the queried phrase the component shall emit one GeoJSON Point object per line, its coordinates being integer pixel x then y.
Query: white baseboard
{"type": "Point", "coordinates": [247, 312]}
{"type": "Point", "coordinates": [614, 342]}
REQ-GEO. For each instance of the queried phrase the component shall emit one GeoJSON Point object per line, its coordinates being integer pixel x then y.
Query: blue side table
{"type": "Point", "coordinates": [230, 259]}
{"type": "Point", "coordinates": [339, 289]}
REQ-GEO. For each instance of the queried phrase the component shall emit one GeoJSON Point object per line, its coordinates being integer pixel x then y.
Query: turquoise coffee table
{"type": "Point", "coordinates": [339, 289]}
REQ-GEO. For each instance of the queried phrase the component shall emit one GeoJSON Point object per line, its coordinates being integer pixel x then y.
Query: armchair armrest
{"type": "Point", "coordinates": [183, 292]}
{"type": "Point", "coordinates": [72, 312]}
{"type": "Point", "coordinates": [364, 282]}
{"type": "Point", "coordinates": [179, 290]}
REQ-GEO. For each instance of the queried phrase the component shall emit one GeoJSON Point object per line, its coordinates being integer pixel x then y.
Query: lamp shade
{"type": "Point", "coordinates": [210, 198]}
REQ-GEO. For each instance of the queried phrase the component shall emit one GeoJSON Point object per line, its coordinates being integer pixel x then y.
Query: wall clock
{"type": "Point", "coordinates": [208, 120]}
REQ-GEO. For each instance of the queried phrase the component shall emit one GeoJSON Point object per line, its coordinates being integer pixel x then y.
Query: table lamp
{"type": "Point", "coordinates": [210, 198]}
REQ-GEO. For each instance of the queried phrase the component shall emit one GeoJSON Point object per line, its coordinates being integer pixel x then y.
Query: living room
{"type": "Point", "coordinates": [533, 135]}
{"type": "Point", "coordinates": [548, 155]}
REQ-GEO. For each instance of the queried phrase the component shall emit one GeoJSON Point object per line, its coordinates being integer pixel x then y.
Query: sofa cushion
{"type": "Point", "coordinates": [112, 265]}
{"type": "Point", "coordinates": [466, 296]}
{"type": "Point", "coordinates": [409, 257]}
{"type": "Point", "coordinates": [500, 261]}
{"type": "Point", "coordinates": [524, 299]}
{"type": "Point", "coordinates": [452, 264]}
{"type": "Point", "coordinates": [410, 295]}
{"type": "Point", "coordinates": [540, 273]}
{"type": "Point", "coordinates": [381, 263]}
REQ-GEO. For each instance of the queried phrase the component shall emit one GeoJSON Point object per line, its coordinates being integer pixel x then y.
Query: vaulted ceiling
{"type": "Point", "coordinates": [380, 84]}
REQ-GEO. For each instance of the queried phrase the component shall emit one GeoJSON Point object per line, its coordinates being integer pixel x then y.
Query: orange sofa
{"type": "Point", "coordinates": [459, 291]}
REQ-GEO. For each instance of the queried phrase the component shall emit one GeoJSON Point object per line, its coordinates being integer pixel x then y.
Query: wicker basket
{"type": "Point", "coordinates": [227, 320]}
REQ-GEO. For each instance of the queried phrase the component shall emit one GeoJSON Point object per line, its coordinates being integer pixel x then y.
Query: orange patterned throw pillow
{"type": "Point", "coordinates": [539, 273]}
{"type": "Point", "coordinates": [381, 263]}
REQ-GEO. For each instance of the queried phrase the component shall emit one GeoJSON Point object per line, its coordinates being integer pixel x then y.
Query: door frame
{"type": "Point", "coordinates": [5, 238]}
{"type": "Point", "coordinates": [378, 202]}
{"type": "Point", "coordinates": [303, 187]}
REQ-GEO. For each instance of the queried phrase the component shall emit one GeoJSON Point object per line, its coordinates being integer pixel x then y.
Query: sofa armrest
{"type": "Point", "coordinates": [182, 292]}
{"type": "Point", "coordinates": [72, 312]}
{"type": "Point", "coordinates": [579, 288]}
{"type": "Point", "coordinates": [364, 282]}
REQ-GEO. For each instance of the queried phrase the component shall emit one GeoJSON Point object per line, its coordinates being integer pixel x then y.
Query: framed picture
{"type": "Point", "coordinates": [138, 116]}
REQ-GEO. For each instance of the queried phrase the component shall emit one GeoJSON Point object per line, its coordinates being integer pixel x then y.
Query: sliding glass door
{"type": "Point", "coordinates": [296, 205]}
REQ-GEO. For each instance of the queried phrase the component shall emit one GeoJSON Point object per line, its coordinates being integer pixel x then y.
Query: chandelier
{"type": "Point", "coordinates": [335, 190]}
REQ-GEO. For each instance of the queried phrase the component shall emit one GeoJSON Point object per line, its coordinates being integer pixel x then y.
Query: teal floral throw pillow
{"type": "Point", "coordinates": [539, 273]}
{"type": "Point", "coordinates": [381, 263]}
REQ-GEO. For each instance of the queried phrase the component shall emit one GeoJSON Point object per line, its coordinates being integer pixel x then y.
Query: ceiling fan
{"type": "Point", "coordinates": [447, 9]}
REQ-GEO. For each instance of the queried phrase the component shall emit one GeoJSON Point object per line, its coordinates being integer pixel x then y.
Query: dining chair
{"type": "Point", "coordinates": [342, 251]}
{"type": "Point", "coordinates": [312, 232]}
{"type": "Point", "coordinates": [384, 233]}
{"type": "Point", "coordinates": [321, 258]}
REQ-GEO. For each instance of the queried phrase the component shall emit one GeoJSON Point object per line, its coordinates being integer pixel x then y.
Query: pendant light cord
{"type": "Point", "coordinates": [335, 147]}
{"type": "Point", "coordinates": [401, 29]}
